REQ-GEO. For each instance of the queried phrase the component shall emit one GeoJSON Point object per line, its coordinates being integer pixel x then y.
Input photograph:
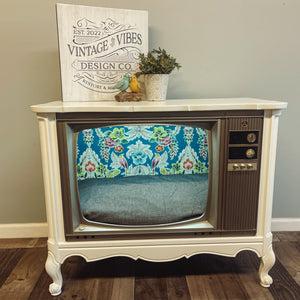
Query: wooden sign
{"type": "Point", "coordinates": [98, 46]}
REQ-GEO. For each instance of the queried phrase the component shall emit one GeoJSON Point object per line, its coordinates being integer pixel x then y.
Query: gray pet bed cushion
{"type": "Point", "coordinates": [144, 200]}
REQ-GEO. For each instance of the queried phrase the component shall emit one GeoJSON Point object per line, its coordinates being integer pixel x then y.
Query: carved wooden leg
{"type": "Point", "coordinates": [53, 270]}
{"type": "Point", "coordinates": [267, 262]}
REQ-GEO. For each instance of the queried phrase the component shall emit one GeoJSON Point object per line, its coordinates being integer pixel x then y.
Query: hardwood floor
{"type": "Point", "coordinates": [22, 275]}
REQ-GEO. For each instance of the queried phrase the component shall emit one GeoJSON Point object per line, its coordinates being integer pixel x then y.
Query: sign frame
{"type": "Point", "coordinates": [97, 47]}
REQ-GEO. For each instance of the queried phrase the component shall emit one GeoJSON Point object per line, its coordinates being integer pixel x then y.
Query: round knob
{"type": "Point", "coordinates": [235, 166]}
{"type": "Point", "coordinates": [249, 166]}
{"type": "Point", "coordinates": [250, 153]}
{"type": "Point", "coordinates": [251, 137]}
{"type": "Point", "coordinates": [242, 166]}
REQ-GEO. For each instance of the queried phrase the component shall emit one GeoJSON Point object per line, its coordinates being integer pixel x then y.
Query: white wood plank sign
{"type": "Point", "coordinates": [97, 47]}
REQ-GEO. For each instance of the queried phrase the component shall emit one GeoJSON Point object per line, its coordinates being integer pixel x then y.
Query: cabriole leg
{"type": "Point", "coordinates": [267, 262]}
{"type": "Point", "coordinates": [53, 269]}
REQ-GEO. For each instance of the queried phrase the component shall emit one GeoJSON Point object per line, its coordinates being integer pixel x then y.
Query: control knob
{"type": "Point", "coordinates": [250, 153]}
{"type": "Point", "coordinates": [235, 166]}
{"type": "Point", "coordinates": [251, 137]}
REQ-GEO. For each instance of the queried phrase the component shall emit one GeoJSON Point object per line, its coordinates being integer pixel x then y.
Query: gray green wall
{"type": "Point", "coordinates": [231, 48]}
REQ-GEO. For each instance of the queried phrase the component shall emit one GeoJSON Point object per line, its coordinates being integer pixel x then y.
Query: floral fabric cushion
{"type": "Point", "coordinates": [120, 151]}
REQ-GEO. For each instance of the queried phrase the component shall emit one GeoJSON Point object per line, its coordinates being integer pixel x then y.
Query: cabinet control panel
{"type": "Point", "coordinates": [243, 150]}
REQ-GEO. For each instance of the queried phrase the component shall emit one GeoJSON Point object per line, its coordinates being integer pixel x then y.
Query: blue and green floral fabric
{"type": "Point", "coordinates": [119, 151]}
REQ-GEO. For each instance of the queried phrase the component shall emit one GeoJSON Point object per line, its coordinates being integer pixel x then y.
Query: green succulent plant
{"type": "Point", "coordinates": [157, 61]}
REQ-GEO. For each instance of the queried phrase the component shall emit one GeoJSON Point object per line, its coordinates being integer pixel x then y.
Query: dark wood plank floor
{"type": "Point", "coordinates": [22, 275]}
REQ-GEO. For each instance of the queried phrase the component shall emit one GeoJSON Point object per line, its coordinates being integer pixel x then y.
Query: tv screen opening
{"type": "Point", "coordinates": [143, 175]}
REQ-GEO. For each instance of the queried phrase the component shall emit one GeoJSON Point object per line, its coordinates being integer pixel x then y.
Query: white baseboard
{"type": "Point", "coordinates": [285, 224]}
{"type": "Point", "coordinates": [36, 230]}
{"type": "Point", "coordinates": [23, 230]}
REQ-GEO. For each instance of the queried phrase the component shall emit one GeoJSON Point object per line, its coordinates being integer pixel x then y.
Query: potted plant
{"type": "Point", "coordinates": [156, 67]}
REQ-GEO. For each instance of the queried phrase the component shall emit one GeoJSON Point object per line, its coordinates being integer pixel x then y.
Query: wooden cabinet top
{"type": "Point", "coordinates": [155, 106]}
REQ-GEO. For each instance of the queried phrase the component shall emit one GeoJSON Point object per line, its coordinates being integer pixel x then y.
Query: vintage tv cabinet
{"type": "Point", "coordinates": [157, 249]}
